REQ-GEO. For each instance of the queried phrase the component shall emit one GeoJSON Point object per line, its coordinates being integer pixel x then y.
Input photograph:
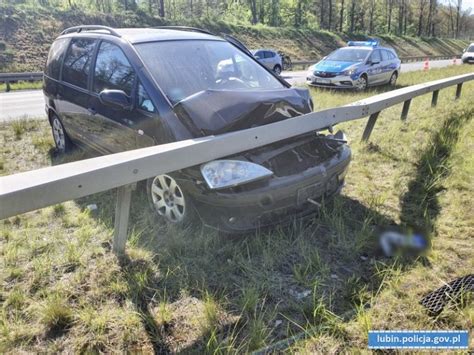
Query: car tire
{"type": "Point", "coordinates": [393, 79]}
{"type": "Point", "coordinates": [361, 83]}
{"type": "Point", "coordinates": [61, 139]}
{"type": "Point", "coordinates": [170, 203]}
{"type": "Point", "coordinates": [277, 69]}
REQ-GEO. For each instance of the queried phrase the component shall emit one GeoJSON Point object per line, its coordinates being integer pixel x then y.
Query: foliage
{"type": "Point", "coordinates": [403, 17]}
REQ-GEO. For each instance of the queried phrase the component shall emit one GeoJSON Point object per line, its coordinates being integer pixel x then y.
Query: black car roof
{"type": "Point", "coordinates": [140, 35]}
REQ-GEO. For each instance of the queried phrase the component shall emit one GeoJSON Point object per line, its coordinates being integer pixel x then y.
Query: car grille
{"type": "Point", "coordinates": [323, 74]}
{"type": "Point", "coordinates": [299, 159]}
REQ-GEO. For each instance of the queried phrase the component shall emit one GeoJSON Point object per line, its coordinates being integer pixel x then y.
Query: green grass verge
{"type": "Point", "coordinates": [22, 85]}
{"type": "Point", "coordinates": [196, 291]}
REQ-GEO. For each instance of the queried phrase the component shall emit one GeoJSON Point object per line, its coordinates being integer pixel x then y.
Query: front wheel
{"type": "Point", "coordinates": [277, 69]}
{"type": "Point", "coordinates": [361, 83]}
{"type": "Point", "coordinates": [170, 202]}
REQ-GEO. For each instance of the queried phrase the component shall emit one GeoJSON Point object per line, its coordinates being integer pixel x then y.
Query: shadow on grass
{"type": "Point", "coordinates": [419, 205]}
{"type": "Point", "coordinates": [331, 255]}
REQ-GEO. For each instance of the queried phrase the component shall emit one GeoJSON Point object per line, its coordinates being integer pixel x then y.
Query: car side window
{"type": "Point", "coordinates": [112, 70]}
{"type": "Point", "coordinates": [385, 55]}
{"type": "Point", "coordinates": [259, 54]}
{"type": "Point", "coordinates": [391, 55]}
{"type": "Point", "coordinates": [78, 61]}
{"type": "Point", "coordinates": [143, 100]}
{"type": "Point", "coordinates": [268, 54]}
{"type": "Point", "coordinates": [55, 58]}
{"type": "Point", "coordinates": [375, 56]}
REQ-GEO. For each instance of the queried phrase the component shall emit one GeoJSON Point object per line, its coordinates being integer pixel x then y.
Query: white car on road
{"type": "Point", "coordinates": [468, 55]}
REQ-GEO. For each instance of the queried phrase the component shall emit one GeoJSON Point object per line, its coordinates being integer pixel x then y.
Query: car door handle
{"type": "Point", "coordinates": [92, 110]}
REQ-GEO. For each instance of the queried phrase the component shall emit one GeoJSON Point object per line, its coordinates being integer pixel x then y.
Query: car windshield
{"type": "Point", "coordinates": [184, 68]}
{"type": "Point", "coordinates": [470, 49]}
{"type": "Point", "coordinates": [349, 55]}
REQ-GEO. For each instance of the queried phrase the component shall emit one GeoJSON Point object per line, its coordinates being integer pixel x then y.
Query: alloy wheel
{"type": "Point", "coordinates": [168, 198]}
{"type": "Point", "coordinates": [361, 83]}
{"type": "Point", "coordinates": [59, 135]}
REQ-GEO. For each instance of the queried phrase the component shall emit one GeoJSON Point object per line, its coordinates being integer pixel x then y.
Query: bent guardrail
{"type": "Point", "coordinates": [40, 188]}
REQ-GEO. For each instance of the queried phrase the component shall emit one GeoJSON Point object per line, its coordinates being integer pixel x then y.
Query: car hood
{"type": "Point", "coordinates": [219, 111]}
{"type": "Point", "coordinates": [333, 66]}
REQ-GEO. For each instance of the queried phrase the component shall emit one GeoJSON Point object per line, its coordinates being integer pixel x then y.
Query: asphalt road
{"type": "Point", "coordinates": [21, 104]}
{"type": "Point", "coordinates": [30, 103]}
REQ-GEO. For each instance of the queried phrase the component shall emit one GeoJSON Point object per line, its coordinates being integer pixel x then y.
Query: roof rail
{"type": "Point", "coordinates": [90, 28]}
{"type": "Point", "coordinates": [185, 28]}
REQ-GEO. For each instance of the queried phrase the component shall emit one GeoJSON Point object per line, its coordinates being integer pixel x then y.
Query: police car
{"type": "Point", "coordinates": [357, 66]}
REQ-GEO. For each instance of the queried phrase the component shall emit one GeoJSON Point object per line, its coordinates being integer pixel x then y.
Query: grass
{"type": "Point", "coordinates": [195, 291]}
{"type": "Point", "coordinates": [22, 85]}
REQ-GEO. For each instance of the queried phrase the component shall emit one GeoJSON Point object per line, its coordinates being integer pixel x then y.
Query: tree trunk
{"type": "Point", "coordinates": [371, 16]}
{"type": "Point", "coordinates": [341, 16]}
{"type": "Point", "coordinates": [389, 14]}
{"type": "Point", "coordinates": [330, 15]}
{"type": "Point", "coordinates": [321, 14]}
{"type": "Point", "coordinates": [253, 10]}
{"type": "Point", "coordinates": [352, 16]}
{"type": "Point", "coordinates": [162, 9]}
{"type": "Point", "coordinates": [420, 18]}
{"type": "Point", "coordinates": [458, 15]}
{"type": "Point", "coordinates": [401, 9]}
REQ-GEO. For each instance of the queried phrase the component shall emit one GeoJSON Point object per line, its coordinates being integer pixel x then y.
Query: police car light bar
{"type": "Point", "coordinates": [370, 43]}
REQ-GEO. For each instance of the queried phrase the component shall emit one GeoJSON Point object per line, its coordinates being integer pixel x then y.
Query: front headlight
{"type": "Point", "coordinates": [227, 173]}
{"type": "Point", "coordinates": [349, 72]}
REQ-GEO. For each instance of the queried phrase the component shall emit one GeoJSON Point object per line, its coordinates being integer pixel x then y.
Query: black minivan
{"type": "Point", "coordinates": [112, 90]}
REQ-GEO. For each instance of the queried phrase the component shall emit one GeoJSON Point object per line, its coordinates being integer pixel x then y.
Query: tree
{"type": "Point", "coordinates": [341, 16]}
{"type": "Point", "coordinates": [458, 15]}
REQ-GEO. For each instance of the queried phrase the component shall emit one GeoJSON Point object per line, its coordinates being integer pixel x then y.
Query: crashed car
{"type": "Point", "coordinates": [112, 90]}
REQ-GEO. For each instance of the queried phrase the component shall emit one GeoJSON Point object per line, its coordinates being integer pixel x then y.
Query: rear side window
{"type": "Point", "coordinates": [375, 57]}
{"type": "Point", "coordinates": [113, 70]}
{"type": "Point", "coordinates": [78, 61]}
{"type": "Point", "coordinates": [55, 58]}
{"type": "Point", "coordinates": [269, 54]}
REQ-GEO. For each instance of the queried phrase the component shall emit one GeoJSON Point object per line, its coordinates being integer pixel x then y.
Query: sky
{"type": "Point", "coordinates": [466, 4]}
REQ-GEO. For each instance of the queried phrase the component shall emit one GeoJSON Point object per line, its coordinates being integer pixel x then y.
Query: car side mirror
{"type": "Point", "coordinates": [115, 98]}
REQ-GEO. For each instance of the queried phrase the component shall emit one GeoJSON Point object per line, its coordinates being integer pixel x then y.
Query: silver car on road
{"type": "Point", "coordinates": [270, 58]}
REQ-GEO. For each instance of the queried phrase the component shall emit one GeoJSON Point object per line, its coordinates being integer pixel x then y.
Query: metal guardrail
{"type": "Point", "coordinates": [8, 78]}
{"type": "Point", "coordinates": [40, 188]}
{"type": "Point", "coordinates": [37, 76]}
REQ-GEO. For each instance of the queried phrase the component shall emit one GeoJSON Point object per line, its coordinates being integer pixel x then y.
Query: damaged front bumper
{"type": "Point", "coordinates": [274, 201]}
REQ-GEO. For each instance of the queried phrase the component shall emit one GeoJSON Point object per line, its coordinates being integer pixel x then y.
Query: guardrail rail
{"type": "Point", "coordinates": [9, 78]}
{"type": "Point", "coordinates": [40, 188]}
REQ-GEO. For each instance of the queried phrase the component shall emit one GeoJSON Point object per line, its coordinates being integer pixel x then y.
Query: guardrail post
{"type": "Point", "coordinates": [458, 91]}
{"type": "Point", "coordinates": [122, 212]}
{"type": "Point", "coordinates": [434, 99]}
{"type": "Point", "coordinates": [406, 107]}
{"type": "Point", "coordinates": [370, 126]}
{"type": "Point", "coordinates": [8, 88]}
